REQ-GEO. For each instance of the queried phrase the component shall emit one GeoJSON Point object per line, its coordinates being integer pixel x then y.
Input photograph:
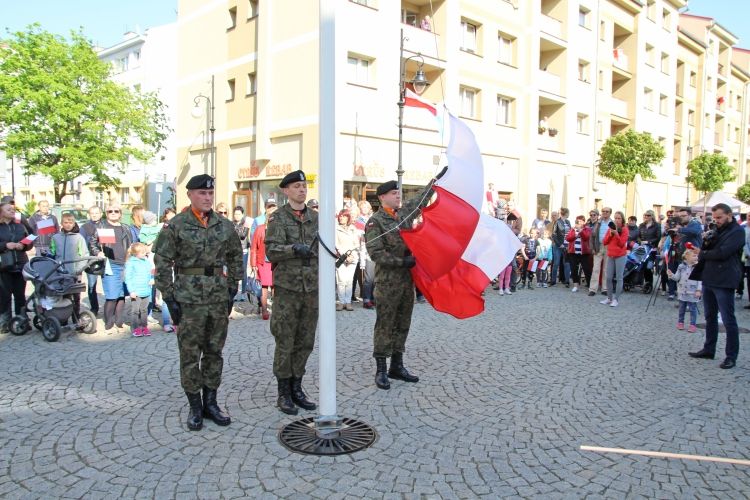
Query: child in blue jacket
{"type": "Point", "coordinates": [139, 279]}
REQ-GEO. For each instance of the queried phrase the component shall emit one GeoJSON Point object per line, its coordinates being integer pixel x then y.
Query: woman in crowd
{"type": "Point", "coordinates": [260, 265]}
{"type": "Point", "coordinates": [12, 259]}
{"type": "Point", "coordinates": [579, 252]}
{"type": "Point", "coordinates": [242, 230]}
{"type": "Point", "coordinates": [347, 242]}
{"type": "Point", "coordinates": [136, 215]}
{"type": "Point", "coordinates": [616, 241]}
{"type": "Point", "coordinates": [649, 233]}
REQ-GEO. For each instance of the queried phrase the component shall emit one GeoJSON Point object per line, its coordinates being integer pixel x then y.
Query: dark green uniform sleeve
{"type": "Point", "coordinates": [234, 257]}
{"type": "Point", "coordinates": [376, 236]}
{"type": "Point", "coordinates": [277, 246]}
{"type": "Point", "coordinates": [164, 254]}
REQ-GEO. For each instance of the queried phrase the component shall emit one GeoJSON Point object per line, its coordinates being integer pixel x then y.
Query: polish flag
{"type": "Point", "coordinates": [28, 240]}
{"type": "Point", "coordinates": [106, 235]}
{"type": "Point", "coordinates": [458, 249]}
{"type": "Point", "coordinates": [45, 226]}
{"type": "Point", "coordinates": [18, 216]}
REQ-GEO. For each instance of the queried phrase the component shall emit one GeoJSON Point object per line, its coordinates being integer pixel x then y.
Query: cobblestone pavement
{"type": "Point", "coordinates": [505, 401]}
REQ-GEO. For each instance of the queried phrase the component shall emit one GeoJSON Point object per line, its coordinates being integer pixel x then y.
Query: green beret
{"type": "Point", "coordinates": [386, 187]}
{"type": "Point", "coordinates": [203, 181]}
{"type": "Point", "coordinates": [295, 176]}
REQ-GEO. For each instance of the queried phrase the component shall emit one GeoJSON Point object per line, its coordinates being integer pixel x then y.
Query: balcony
{"type": "Point", "coordinates": [549, 143]}
{"type": "Point", "coordinates": [419, 41]}
{"type": "Point", "coordinates": [620, 60]}
{"type": "Point", "coordinates": [618, 107]}
{"type": "Point", "coordinates": [552, 26]}
{"type": "Point", "coordinates": [549, 82]}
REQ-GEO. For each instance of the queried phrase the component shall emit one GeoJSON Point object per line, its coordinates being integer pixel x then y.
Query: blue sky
{"type": "Point", "coordinates": [103, 21]}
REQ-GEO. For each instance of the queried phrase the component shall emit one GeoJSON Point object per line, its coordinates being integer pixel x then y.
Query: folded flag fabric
{"type": "Point", "coordinates": [532, 265]}
{"type": "Point", "coordinates": [106, 235]}
{"type": "Point", "coordinates": [28, 240]}
{"type": "Point", "coordinates": [45, 226]}
{"type": "Point", "coordinates": [543, 265]}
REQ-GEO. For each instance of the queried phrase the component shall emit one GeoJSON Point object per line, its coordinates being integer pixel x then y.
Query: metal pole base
{"type": "Point", "coordinates": [312, 438]}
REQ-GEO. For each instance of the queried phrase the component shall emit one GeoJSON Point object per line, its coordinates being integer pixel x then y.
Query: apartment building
{"type": "Point", "coordinates": [542, 85]}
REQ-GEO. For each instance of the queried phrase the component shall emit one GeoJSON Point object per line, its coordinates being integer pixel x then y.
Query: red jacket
{"type": "Point", "coordinates": [585, 237]}
{"type": "Point", "coordinates": [617, 245]}
{"type": "Point", "coordinates": [258, 247]}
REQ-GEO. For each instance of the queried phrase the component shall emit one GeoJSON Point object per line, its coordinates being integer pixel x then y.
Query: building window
{"type": "Point", "coordinates": [582, 123]}
{"type": "Point", "coordinates": [469, 36]}
{"type": "Point", "coordinates": [666, 19]}
{"type": "Point", "coordinates": [693, 78]}
{"type": "Point", "coordinates": [359, 70]}
{"type": "Point", "coordinates": [137, 55]}
{"type": "Point", "coordinates": [651, 10]}
{"type": "Point", "coordinates": [230, 89]}
{"type": "Point", "coordinates": [125, 195]}
{"type": "Point", "coordinates": [691, 118]}
{"type": "Point", "coordinates": [665, 63]}
{"type": "Point", "coordinates": [599, 130]}
{"type": "Point", "coordinates": [648, 99]}
{"type": "Point", "coordinates": [506, 49]}
{"type": "Point", "coordinates": [469, 104]}
{"type": "Point", "coordinates": [252, 9]}
{"type": "Point", "coordinates": [601, 79]}
{"type": "Point", "coordinates": [583, 17]}
{"type": "Point", "coordinates": [250, 84]}
{"type": "Point", "coordinates": [602, 30]}
{"type": "Point", "coordinates": [505, 111]}
{"type": "Point", "coordinates": [583, 71]}
{"type": "Point", "coordinates": [739, 102]}
{"type": "Point", "coordinates": [232, 21]}
{"type": "Point", "coordinates": [663, 104]}
{"type": "Point", "coordinates": [650, 55]}
{"type": "Point", "coordinates": [409, 17]}
{"type": "Point", "coordinates": [737, 135]}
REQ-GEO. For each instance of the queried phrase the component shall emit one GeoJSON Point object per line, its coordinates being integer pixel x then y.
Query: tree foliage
{"type": "Point", "coordinates": [743, 193]}
{"type": "Point", "coordinates": [709, 172]}
{"type": "Point", "coordinates": [62, 115]}
{"type": "Point", "coordinates": [627, 154]}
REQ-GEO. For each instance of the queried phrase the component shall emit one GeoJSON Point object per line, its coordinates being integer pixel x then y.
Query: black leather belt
{"type": "Point", "coordinates": [200, 271]}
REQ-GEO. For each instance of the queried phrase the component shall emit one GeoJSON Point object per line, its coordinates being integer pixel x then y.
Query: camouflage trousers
{"type": "Point", "coordinates": [395, 302]}
{"type": "Point", "coordinates": [201, 337]}
{"type": "Point", "coordinates": [293, 323]}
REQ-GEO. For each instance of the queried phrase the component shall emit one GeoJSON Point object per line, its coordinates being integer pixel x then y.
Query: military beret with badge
{"type": "Point", "coordinates": [386, 187]}
{"type": "Point", "coordinates": [202, 181]}
{"type": "Point", "coordinates": [296, 176]}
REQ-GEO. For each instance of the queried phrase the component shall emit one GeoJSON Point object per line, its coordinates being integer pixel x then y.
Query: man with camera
{"type": "Point", "coordinates": [720, 269]}
{"type": "Point", "coordinates": [684, 232]}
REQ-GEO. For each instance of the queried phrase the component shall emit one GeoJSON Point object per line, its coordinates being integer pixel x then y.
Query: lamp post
{"type": "Point", "coordinates": [419, 84]}
{"type": "Point", "coordinates": [198, 112]}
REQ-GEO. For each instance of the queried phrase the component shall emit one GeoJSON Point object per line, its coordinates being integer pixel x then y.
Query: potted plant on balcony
{"type": "Point", "coordinates": [541, 130]}
{"type": "Point", "coordinates": [552, 132]}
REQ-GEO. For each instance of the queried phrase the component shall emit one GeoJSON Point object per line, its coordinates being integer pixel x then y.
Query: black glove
{"type": "Point", "coordinates": [409, 262]}
{"type": "Point", "coordinates": [232, 292]}
{"type": "Point", "coordinates": [174, 311]}
{"type": "Point", "coordinates": [302, 250]}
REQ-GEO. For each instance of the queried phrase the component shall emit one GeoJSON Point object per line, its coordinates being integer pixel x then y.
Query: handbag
{"type": "Point", "coordinates": [8, 260]}
{"type": "Point", "coordinates": [253, 285]}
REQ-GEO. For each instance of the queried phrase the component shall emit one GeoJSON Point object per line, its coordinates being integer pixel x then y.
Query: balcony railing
{"type": "Point", "coordinates": [618, 107]}
{"type": "Point", "coordinates": [549, 82]}
{"type": "Point", "coordinates": [421, 41]}
{"type": "Point", "coordinates": [620, 59]}
{"type": "Point", "coordinates": [551, 26]}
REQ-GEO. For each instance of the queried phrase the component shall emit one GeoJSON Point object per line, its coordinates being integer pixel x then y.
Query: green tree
{"type": "Point", "coordinates": [62, 115]}
{"type": "Point", "coordinates": [743, 193]}
{"type": "Point", "coordinates": [708, 173]}
{"type": "Point", "coordinates": [626, 154]}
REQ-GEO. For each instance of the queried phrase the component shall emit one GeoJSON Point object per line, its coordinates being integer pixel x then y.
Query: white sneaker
{"type": "Point", "coordinates": [606, 302]}
{"type": "Point", "coordinates": [574, 289]}
{"type": "Point", "coordinates": [500, 292]}
{"type": "Point", "coordinates": [614, 303]}
{"type": "Point", "coordinates": [508, 292]}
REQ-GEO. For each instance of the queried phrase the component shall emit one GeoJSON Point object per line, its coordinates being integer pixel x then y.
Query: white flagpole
{"type": "Point", "coordinates": [327, 183]}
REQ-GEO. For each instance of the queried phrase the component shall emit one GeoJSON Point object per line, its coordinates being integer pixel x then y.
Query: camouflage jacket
{"type": "Point", "coordinates": [283, 229]}
{"type": "Point", "coordinates": [386, 247]}
{"type": "Point", "coordinates": [185, 243]}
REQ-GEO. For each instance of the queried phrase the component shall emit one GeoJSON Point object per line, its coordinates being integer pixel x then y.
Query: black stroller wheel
{"type": "Point", "coordinates": [87, 322]}
{"type": "Point", "coordinates": [37, 322]}
{"type": "Point", "coordinates": [647, 288]}
{"type": "Point", "coordinates": [18, 325]}
{"type": "Point", "coordinates": [51, 329]}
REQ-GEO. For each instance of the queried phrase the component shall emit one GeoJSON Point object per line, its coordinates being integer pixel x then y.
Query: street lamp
{"type": "Point", "coordinates": [687, 179]}
{"type": "Point", "coordinates": [197, 112]}
{"type": "Point", "coordinates": [419, 84]}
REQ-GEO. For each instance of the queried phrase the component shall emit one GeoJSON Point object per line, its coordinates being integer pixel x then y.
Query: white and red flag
{"type": "Point", "coordinates": [45, 226]}
{"type": "Point", "coordinates": [458, 249]}
{"type": "Point", "coordinates": [106, 235]}
{"type": "Point", "coordinates": [28, 240]}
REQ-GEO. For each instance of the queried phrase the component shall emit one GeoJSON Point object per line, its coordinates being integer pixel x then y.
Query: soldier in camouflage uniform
{"type": "Point", "coordinates": [290, 246]}
{"type": "Point", "coordinates": [394, 288]}
{"type": "Point", "coordinates": [198, 258]}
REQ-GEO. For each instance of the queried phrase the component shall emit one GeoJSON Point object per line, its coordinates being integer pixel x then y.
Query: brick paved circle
{"type": "Point", "coordinates": [504, 403]}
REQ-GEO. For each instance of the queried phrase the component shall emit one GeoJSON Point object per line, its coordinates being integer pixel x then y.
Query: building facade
{"type": "Point", "coordinates": [542, 84]}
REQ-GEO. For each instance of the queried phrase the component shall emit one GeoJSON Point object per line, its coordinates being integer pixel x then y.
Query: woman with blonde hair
{"type": "Point", "coordinates": [347, 242]}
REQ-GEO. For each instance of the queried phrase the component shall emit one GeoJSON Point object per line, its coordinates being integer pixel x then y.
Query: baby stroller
{"type": "Point", "coordinates": [640, 258]}
{"type": "Point", "coordinates": [51, 304]}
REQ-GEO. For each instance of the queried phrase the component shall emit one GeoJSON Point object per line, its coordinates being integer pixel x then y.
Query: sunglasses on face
{"type": "Point", "coordinates": [223, 212]}
{"type": "Point", "coordinates": [113, 211]}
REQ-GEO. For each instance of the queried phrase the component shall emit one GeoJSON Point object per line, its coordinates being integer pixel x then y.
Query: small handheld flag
{"type": "Point", "coordinates": [45, 226]}
{"type": "Point", "coordinates": [106, 235]}
{"type": "Point", "coordinates": [28, 240]}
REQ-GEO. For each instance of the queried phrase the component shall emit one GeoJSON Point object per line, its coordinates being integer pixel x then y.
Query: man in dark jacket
{"type": "Point", "coordinates": [41, 243]}
{"type": "Point", "coordinates": [720, 268]}
{"type": "Point", "coordinates": [560, 265]}
{"type": "Point", "coordinates": [88, 231]}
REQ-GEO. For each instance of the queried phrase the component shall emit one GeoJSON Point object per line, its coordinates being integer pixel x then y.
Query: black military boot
{"type": "Point", "coordinates": [381, 378]}
{"type": "Point", "coordinates": [284, 402]}
{"type": "Point", "coordinates": [299, 397]}
{"type": "Point", "coordinates": [398, 371]}
{"type": "Point", "coordinates": [211, 408]}
{"type": "Point", "coordinates": [195, 417]}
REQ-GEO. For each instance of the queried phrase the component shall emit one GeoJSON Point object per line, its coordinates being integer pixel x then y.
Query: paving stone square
{"type": "Point", "coordinates": [505, 402]}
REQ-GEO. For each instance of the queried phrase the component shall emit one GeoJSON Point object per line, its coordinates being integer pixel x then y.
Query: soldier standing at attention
{"type": "Point", "coordinates": [290, 246]}
{"type": "Point", "coordinates": [198, 258]}
{"type": "Point", "coordinates": [394, 288]}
